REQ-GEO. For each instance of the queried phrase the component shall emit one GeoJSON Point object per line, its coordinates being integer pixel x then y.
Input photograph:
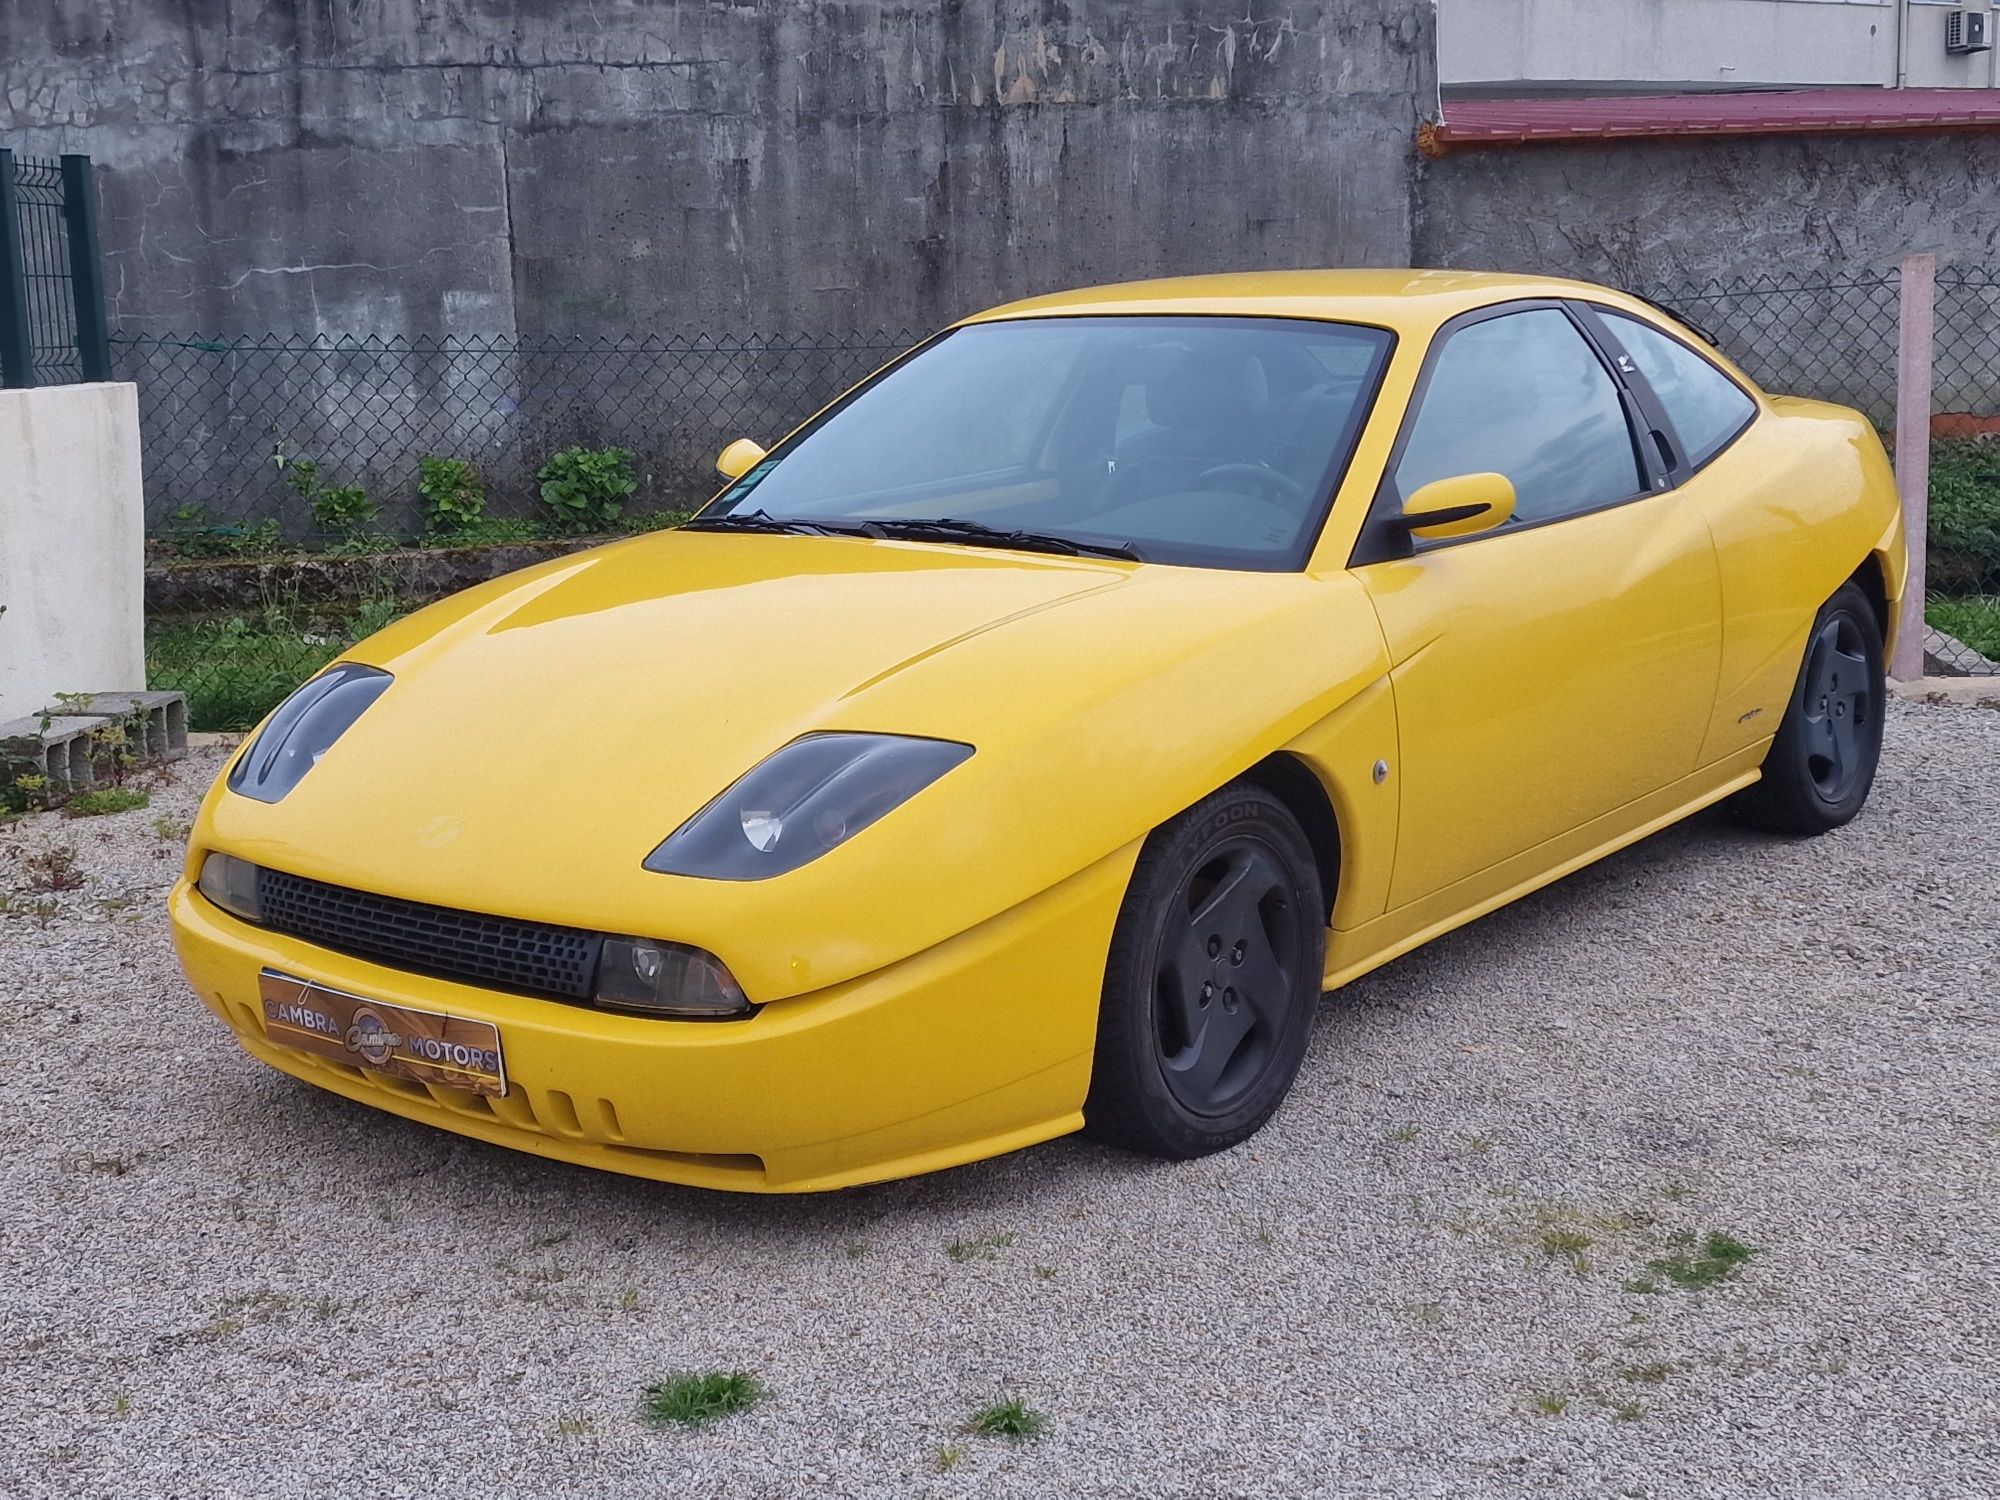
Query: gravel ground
{"type": "Point", "coordinates": [1417, 1282]}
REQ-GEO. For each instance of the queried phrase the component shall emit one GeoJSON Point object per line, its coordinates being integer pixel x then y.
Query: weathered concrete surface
{"type": "Point", "coordinates": [72, 544]}
{"type": "Point", "coordinates": [494, 166]}
{"type": "Point", "coordinates": [1645, 213]}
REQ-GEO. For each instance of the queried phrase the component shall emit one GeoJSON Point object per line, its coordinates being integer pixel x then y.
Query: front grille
{"type": "Point", "coordinates": [498, 952]}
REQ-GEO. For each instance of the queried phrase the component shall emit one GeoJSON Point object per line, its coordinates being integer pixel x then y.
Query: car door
{"type": "Point", "coordinates": [1747, 489]}
{"type": "Point", "coordinates": [1554, 669]}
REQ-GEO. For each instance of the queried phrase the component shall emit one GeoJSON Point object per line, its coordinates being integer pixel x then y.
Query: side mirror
{"type": "Point", "coordinates": [1461, 506]}
{"type": "Point", "coordinates": [738, 459]}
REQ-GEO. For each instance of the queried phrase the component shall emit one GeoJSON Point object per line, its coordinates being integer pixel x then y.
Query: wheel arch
{"type": "Point", "coordinates": [1294, 783]}
{"type": "Point", "coordinates": [1869, 578]}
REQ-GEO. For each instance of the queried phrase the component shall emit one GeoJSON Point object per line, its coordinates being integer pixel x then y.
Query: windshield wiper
{"type": "Point", "coordinates": [978, 534]}
{"type": "Point", "coordinates": [758, 520]}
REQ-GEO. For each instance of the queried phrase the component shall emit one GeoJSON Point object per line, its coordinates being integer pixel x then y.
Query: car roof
{"type": "Point", "coordinates": [1406, 300]}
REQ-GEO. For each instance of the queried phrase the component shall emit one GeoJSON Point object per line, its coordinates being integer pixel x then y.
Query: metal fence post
{"type": "Point", "coordinates": [86, 272]}
{"type": "Point", "coordinates": [1915, 333]}
{"type": "Point", "coordinates": [17, 352]}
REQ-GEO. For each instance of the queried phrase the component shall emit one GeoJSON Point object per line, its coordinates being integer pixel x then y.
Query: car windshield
{"type": "Point", "coordinates": [1215, 442]}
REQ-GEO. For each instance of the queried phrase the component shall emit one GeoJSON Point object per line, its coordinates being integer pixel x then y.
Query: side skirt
{"type": "Point", "coordinates": [1355, 952]}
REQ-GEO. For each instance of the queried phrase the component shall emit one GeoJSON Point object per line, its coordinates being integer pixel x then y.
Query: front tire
{"type": "Point", "coordinates": [1822, 761]}
{"type": "Point", "coordinates": [1212, 981]}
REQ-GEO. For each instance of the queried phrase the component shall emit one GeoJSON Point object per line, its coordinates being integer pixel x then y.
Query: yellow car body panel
{"type": "Point", "coordinates": [1480, 719]}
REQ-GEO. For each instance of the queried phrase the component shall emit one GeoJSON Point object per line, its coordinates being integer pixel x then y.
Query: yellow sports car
{"type": "Point", "coordinates": [1027, 741]}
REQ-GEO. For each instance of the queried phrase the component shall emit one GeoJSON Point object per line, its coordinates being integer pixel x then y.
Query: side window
{"type": "Point", "coordinates": [1523, 395]}
{"type": "Point", "coordinates": [1706, 407]}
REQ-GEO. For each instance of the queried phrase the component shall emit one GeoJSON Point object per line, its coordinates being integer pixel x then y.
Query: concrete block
{"type": "Point", "coordinates": [157, 720]}
{"type": "Point", "coordinates": [59, 748]}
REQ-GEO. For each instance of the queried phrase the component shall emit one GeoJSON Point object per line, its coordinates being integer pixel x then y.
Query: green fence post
{"type": "Point", "coordinates": [17, 352]}
{"type": "Point", "coordinates": [86, 272]}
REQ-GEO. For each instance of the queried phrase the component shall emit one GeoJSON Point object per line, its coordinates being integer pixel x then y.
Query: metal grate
{"type": "Point", "coordinates": [531, 957]}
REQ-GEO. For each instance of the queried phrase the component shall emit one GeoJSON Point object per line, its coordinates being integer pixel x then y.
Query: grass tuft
{"type": "Point", "coordinates": [979, 1246]}
{"type": "Point", "coordinates": [107, 799]}
{"type": "Point", "coordinates": [1694, 1267]}
{"type": "Point", "coordinates": [1012, 1419]}
{"type": "Point", "coordinates": [693, 1399]}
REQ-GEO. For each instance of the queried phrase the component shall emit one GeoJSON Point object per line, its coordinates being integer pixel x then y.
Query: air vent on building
{"type": "Point", "coordinates": [1966, 31]}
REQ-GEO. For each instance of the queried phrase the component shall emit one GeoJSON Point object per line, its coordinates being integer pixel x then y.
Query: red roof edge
{"type": "Point", "coordinates": [1524, 122]}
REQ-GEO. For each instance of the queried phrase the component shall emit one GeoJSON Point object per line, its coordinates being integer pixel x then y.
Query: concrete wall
{"type": "Point", "coordinates": [492, 166]}
{"type": "Point", "coordinates": [1558, 46]}
{"type": "Point", "coordinates": [72, 545]}
{"type": "Point", "coordinates": [1649, 212]}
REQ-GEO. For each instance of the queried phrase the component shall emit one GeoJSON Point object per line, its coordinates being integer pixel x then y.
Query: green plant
{"type": "Point", "coordinates": [1653, 1374]}
{"type": "Point", "coordinates": [1696, 1266]}
{"type": "Point", "coordinates": [692, 1399]}
{"type": "Point", "coordinates": [102, 800]}
{"type": "Point", "coordinates": [979, 1246]}
{"type": "Point", "coordinates": [1974, 620]}
{"type": "Point", "coordinates": [948, 1457]}
{"type": "Point", "coordinates": [53, 869]}
{"type": "Point", "coordinates": [344, 510]}
{"type": "Point", "coordinates": [1965, 514]}
{"type": "Point", "coordinates": [453, 495]}
{"type": "Point", "coordinates": [1549, 1403]}
{"type": "Point", "coordinates": [191, 532]}
{"type": "Point", "coordinates": [585, 489]}
{"type": "Point", "coordinates": [1012, 1419]}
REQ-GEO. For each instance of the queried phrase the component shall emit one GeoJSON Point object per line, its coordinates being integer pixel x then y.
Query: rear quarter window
{"type": "Point", "coordinates": [1707, 408]}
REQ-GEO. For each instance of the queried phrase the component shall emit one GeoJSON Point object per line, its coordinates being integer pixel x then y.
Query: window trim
{"type": "Point", "coordinates": [1599, 314]}
{"type": "Point", "coordinates": [1380, 541]}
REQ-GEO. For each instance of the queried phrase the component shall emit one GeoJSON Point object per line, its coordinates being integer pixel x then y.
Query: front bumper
{"type": "Point", "coordinates": [979, 1045]}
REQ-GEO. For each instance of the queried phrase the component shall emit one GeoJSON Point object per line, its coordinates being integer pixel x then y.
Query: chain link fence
{"type": "Point", "coordinates": [1835, 338]}
{"type": "Point", "coordinates": [226, 422]}
{"type": "Point", "coordinates": [230, 426]}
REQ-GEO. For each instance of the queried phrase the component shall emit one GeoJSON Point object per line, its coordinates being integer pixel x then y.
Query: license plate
{"type": "Point", "coordinates": [419, 1044]}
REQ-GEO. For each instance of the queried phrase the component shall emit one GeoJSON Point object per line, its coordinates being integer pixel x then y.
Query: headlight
{"type": "Point", "coordinates": [231, 883]}
{"type": "Point", "coordinates": [809, 797]}
{"type": "Point", "coordinates": [672, 979]}
{"type": "Point", "coordinates": [304, 728]}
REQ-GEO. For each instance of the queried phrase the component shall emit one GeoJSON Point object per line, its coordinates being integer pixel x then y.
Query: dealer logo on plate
{"type": "Point", "coordinates": [371, 1037]}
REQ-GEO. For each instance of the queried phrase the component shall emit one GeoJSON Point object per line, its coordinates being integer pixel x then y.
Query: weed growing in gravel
{"type": "Point", "coordinates": [1568, 1244]}
{"type": "Point", "coordinates": [856, 1249]}
{"type": "Point", "coordinates": [1693, 1267]}
{"type": "Point", "coordinates": [980, 1246]}
{"type": "Point", "coordinates": [628, 1300]}
{"type": "Point", "coordinates": [1402, 1135]}
{"type": "Point", "coordinates": [1655, 1374]}
{"type": "Point", "coordinates": [1424, 1312]}
{"type": "Point", "coordinates": [1480, 1144]}
{"type": "Point", "coordinates": [1045, 1273]}
{"type": "Point", "coordinates": [575, 1426]}
{"type": "Point", "coordinates": [1012, 1419]}
{"type": "Point", "coordinates": [121, 1405]}
{"type": "Point", "coordinates": [947, 1457]}
{"type": "Point", "coordinates": [106, 799]}
{"type": "Point", "coordinates": [1675, 1191]}
{"type": "Point", "coordinates": [52, 869]}
{"type": "Point", "coordinates": [1549, 1403]}
{"type": "Point", "coordinates": [691, 1400]}
{"type": "Point", "coordinates": [171, 830]}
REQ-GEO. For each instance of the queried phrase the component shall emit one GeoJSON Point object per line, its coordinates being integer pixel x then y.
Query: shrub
{"type": "Point", "coordinates": [343, 509]}
{"type": "Point", "coordinates": [585, 488]}
{"type": "Point", "coordinates": [192, 532]}
{"type": "Point", "coordinates": [1965, 515]}
{"type": "Point", "coordinates": [453, 495]}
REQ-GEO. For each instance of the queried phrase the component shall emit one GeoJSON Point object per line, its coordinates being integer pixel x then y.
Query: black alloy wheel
{"type": "Point", "coordinates": [1822, 760]}
{"type": "Point", "coordinates": [1213, 979]}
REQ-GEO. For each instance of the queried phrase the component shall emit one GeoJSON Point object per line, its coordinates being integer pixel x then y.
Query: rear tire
{"type": "Point", "coordinates": [1212, 981]}
{"type": "Point", "coordinates": [1822, 761]}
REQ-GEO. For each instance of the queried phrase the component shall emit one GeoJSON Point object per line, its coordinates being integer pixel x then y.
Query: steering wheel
{"type": "Point", "coordinates": [1260, 474]}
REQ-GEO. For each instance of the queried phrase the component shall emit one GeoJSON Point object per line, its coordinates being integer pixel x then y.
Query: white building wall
{"type": "Point", "coordinates": [72, 545]}
{"type": "Point", "coordinates": [1636, 46]}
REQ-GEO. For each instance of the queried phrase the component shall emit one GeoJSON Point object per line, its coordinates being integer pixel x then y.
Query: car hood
{"type": "Point", "coordinates": [546, 731]}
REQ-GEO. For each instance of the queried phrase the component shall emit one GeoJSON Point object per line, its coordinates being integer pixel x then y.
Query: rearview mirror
{"type": "Point", "coordinates": [1460, 506]}
{"type": "Point", "coordinates": [738, 459]}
